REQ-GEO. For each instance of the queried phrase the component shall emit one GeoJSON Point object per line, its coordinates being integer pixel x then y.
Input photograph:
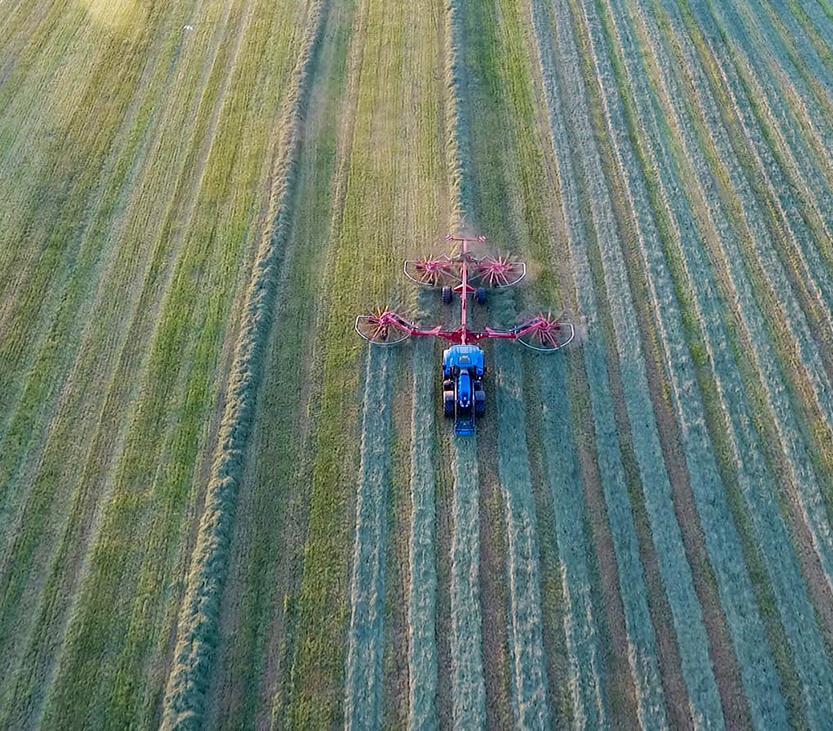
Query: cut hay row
{"type": "Point", "coordinates": [422, 599]}
{"type": "Point", "coordinates": [467, 681]}
{"type": "Point", "coordinates": [529, 674]}
{"type": "Point", "coordinates": [363, 683]}
{"type": "Point", "coordinates": [587, 685]}
{"type": "Point", "coordinates": [770, 529]}
{"type": "Point", "coordinates": [799, 461]}
{"type": "Point", "coordinates": [253, 653]}
{"type": "Point", "coordinates": [514, 659]}
{"type": "Point", "coordinates": [646, 444]}
{"type": "Point", "coordinates": [585, 656]}
{"type": "Point", "coordinates": [818, 27]}
{"type": "Point", "coordinates": [798, 247]}
{"type": "Point", "coordinates": [197, 630]}
{"type": "Point", "coordinates": [467, 684]}
{"type": "Point", "coordinates": [138, 539]}
{"type": "Point", "coordinates": [722, 27]}
{"type": "Point", "coordinates": [686, 612]}
{"type": "Point", "coordinates": [804, 162]}
{"type": "Point", "coordinates": [794, 66]}
{"type": "Point", "coordinates": [722, 539]}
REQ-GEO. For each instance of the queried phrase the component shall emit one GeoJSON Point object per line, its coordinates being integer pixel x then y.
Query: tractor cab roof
{"type": "Point", "coordinates": [464, 357]}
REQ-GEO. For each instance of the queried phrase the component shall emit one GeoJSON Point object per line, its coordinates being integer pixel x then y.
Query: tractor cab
{"type": "Point", "coordinates": [464, 397]}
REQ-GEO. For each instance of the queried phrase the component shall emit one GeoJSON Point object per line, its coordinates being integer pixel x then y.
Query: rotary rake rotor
{"type": "Point", "coordinates": [463, 273]}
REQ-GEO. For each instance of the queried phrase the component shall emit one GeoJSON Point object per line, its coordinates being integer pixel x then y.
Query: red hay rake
{"type": "Point", "coordinates": [465, 274]}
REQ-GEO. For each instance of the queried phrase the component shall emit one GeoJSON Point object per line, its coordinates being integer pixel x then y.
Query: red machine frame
{"type": "Point", "coordinates": [456, 273]}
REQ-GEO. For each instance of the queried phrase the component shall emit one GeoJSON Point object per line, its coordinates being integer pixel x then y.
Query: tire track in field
{"type": "Point", "coordinates": [770, 529]}
{"type": "Point", "coordinates": [363, 691]}
{"type": "Point", "coordinates": [197, 627]}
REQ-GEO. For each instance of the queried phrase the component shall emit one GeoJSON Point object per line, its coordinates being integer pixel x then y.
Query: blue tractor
{"type": "Point", "coordinates": [464, 397]}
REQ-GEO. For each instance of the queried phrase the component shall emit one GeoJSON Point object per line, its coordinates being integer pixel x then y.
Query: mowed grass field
{"type": "Point", "coordinates": [220, 508]}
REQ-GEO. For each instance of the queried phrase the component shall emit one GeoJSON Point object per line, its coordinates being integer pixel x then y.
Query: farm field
{"type": "Point", "coordinates": [221, 508]}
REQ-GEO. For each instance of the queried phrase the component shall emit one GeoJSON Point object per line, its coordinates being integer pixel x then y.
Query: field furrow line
{"type": "Point", "coordinates": [422, 599]}
{"type": "Point", "coordinates": [197, 628]}
{"type": "Point", "coordinates": [365, 639]}
{"type": "Point", "coordinates": [771, 531]}
{"type": "Point", "coordinates": [794, 446]}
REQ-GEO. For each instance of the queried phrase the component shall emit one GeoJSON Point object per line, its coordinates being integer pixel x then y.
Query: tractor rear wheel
{"type": "Point", "coordinates": [448, 403]}
{"type": "Point", "coordinates": [447, 295]}
{"type": "Point", "coordinates": [480, 402]}
{"type": "Point", "coordinates": [480, 294]}
{"type": "Point", "coordinates": [448, 385]}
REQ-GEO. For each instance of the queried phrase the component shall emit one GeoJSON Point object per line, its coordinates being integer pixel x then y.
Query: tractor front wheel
{"type": "Point", "coordinates": [480, 294]}
{"type": "Point", "coordinates": [447, 295]}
